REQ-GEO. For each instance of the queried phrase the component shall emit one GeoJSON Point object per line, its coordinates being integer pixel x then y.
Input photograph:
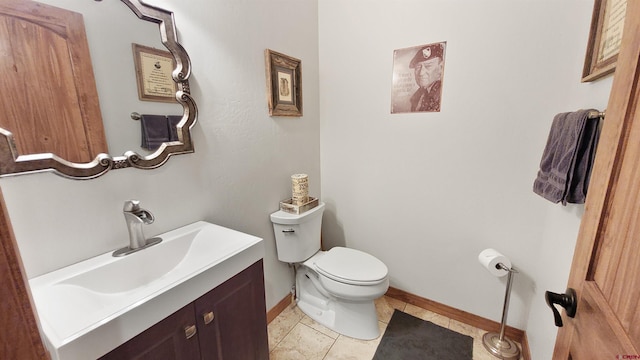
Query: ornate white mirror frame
{"type": "Point", "coordinates": [13, 163]}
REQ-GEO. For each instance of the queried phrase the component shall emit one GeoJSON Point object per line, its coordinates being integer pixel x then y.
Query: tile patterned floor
{"type": "Point", "coordinates": [294, 336]}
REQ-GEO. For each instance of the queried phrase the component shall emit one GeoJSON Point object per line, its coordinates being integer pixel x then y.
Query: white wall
{"type": "Point", "coordinates": [423, 192]}
{"type": "Point", "coordinates": [243, 161]}
{"type": "Point", "coordinates": [427, 192]}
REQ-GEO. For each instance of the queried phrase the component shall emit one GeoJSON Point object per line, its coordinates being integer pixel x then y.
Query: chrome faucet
{"type": "Point", "coordinates": [136, 217]}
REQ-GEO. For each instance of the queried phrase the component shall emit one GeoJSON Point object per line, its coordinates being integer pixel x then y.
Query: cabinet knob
{"type": "Point", "coordinates": [208, 317]}
{"type": "Point", "coordinates": [189, 331]}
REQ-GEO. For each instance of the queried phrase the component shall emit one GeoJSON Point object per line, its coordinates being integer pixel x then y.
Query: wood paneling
{"type": "Point", "coordinates": [600, 337]}
{"type": "Point", "coordinates": [605, 265]}
{"type": "Point", "coordinates": [19, 336]}
{"type": "Point", "coordinates": [617, 271]}
{"type": "Point", "coordinates": [280, 307]}
{"type": "Point", "coordinates": [49, 98]}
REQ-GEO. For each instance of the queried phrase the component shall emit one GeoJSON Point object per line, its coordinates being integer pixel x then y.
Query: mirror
{"type": "Point", "coordinates": [115, 116]}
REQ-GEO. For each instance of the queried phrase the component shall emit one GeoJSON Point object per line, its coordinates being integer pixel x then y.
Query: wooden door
{"type": "Point", "coordinates": [19, 336]}
{"type": "Point", "coordinates": [49, 98]}
{"type": "Point", "coordinates": [606, 264]}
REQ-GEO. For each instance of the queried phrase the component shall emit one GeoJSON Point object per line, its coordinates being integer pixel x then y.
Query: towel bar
{"type": "Point", "coordinates": [136, 116]}
{"type": "Point", "coordinates": [597, 114]}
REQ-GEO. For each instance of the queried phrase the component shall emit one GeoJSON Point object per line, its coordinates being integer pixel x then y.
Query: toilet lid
{"type": "Point", "coordinates": [351, 266]}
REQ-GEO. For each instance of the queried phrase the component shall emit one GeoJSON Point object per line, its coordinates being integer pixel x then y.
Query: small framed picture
{"type": "Point", "coordinates": [605, 37]}
{"type": "Point", "coordinates": [284, 84]}
{"type": "Point", "coordinates": [153, 74]}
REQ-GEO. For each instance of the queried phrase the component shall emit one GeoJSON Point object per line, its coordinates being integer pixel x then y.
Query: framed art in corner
{"type": "Point", "coordinates": [284, 84]}
{"type": "Point", "coordinates": [153, 74]}
{"type": "Point", "coordinates": [605, 36]}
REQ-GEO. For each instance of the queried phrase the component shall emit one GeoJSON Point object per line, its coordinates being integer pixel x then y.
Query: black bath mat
{"type": "Point", "coordinates": [408, 337]}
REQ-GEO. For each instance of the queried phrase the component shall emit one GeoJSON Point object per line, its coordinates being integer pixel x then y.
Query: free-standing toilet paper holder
{"type": "Point", "coordinates": [496, 343]}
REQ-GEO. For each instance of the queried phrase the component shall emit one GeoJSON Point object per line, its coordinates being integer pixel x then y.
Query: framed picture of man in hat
{"type": "Point", "coordinates": [417, 78]}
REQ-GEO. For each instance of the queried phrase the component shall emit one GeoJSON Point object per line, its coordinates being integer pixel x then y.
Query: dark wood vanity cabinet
{"type": "Point", "coordinates": [227, 323]}
{"type": "Point", "coordinates": [164, 340]}
{"type": "Point", "coordinates": [237, 319]}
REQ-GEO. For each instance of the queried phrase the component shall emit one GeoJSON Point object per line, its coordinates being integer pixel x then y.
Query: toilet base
{"type": "Point", "coordinates": [354, 319]}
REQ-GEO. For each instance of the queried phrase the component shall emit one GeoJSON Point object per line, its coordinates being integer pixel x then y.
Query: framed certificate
{"type": "Point", "coordinates": [605, 37]}
{"type": "Point", "coordinates": [153, 74]}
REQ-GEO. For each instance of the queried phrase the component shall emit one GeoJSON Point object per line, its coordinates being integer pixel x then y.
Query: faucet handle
{"type": "Point", "coordinates": [131, 206]}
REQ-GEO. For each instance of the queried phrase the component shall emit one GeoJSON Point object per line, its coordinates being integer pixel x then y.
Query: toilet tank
{"type": "Point", "coordinates": [297, 236]}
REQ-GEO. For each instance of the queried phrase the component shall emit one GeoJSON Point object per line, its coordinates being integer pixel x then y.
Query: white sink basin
{"type": "Point", "coordinates": [91, 307]}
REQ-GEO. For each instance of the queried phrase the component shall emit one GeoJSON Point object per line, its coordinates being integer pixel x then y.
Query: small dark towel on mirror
{"type": "Point", "coordinates": [173, 126]}
{"type": "Point", "coordinates": [155, 131]}
{"type": "Point", "coordinates": [565, 168]}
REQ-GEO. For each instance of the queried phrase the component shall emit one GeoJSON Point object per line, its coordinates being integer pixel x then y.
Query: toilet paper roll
{"type": "Point", "coordinates": [490, 258]}
{"type": "Point", "coordinates": [299, 189]}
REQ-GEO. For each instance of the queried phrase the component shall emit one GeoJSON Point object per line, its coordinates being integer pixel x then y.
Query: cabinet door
{"type": "Point", "coordinates": [232, 319]}
{"type": "Point", "coordinates": [173, 338]}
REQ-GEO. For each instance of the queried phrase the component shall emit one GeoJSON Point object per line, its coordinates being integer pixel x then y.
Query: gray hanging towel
{"type": "Point", "coordinates": [155, 131]}
{"type": "Point", "coordinates": [585, 154]}
{"type": "Point", "coordinates": [173, 123]}
{"type": "Point", "coordinates": [565, 168]}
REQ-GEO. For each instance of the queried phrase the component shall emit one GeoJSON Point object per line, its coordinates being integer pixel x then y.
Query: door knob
{"type": "Point", "coordinates": [566, 300]}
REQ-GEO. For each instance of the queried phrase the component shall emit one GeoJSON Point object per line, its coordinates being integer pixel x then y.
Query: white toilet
{"type": "Point", "coordinates": [336, 288]}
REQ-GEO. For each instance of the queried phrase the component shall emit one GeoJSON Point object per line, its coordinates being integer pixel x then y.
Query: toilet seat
{"type": "Point", "coordinates": [351, 266]}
